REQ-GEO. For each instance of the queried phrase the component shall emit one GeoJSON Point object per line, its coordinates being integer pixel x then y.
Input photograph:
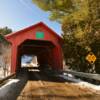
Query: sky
{"type": "Point", "coordinates": [18, 14]}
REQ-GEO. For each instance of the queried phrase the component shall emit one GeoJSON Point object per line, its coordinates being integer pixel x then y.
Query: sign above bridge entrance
{"type": "Point", "coordinates": [39, 35]}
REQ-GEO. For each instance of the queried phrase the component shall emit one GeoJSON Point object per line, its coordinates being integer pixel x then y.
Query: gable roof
{"type": "Point", "coordinates": [30, 27]}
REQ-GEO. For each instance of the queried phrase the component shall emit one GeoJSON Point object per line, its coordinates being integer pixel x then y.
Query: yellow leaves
{"type": "Point", "coordinates": [87, 48]}
{"type": "Point", "coordinates": [42, 4]}
{"type": "Point", "coordinates": [82, 12]}
{"type": "Point", "coordinates": [79, 34]}
{"type": "Point", "coordinates": [79, 15]}
{"type": "Point", "coordinates": [60, 2]}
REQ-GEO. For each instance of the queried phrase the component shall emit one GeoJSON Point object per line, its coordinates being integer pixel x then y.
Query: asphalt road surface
{"type": "Point", "coordinates": [31, 85]}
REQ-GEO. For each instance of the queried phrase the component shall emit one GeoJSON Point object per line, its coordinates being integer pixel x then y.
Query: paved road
{"type": "Point", "coordinates": [38, 86]}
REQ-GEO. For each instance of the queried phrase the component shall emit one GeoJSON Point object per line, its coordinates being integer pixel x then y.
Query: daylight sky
{"type": "Point", "coordinates": [18, 14]}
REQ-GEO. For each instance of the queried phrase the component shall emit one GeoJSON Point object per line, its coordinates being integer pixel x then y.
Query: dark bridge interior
{"type": "Point", "coordinates": [42, 49]}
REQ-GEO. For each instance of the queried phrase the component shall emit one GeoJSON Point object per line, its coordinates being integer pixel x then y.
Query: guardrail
{"type": "Point", "coordinates": [83, 75]}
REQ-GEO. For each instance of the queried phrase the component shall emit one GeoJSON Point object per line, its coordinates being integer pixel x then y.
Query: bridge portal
{"type": "Point", "coordinates": [37, 40]}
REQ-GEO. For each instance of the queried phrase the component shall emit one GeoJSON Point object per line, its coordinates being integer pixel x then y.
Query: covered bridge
{"type": "Point", "coordinates": [38, 40]}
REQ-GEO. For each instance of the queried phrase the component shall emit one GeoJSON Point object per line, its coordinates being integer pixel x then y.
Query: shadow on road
{"type": "Point", "coordinates": [37, 85]}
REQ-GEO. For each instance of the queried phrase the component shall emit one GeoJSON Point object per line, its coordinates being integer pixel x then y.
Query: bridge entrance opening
{"type": "Point", "coordinates": [41, 52]}
{"type": "Point", "coordinates": [29, 61]}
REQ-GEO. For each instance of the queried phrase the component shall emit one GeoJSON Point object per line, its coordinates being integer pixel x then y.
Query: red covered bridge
{"type": "Point", "coordinates": [39, 40]}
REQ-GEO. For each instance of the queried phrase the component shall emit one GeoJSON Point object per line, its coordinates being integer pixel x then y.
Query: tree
{"type": "Point", "coordinates": [5, 53]}
{"type": "Point", "coordinates": [80, 20]}
{"type": "Point", "coordinates": [5, 30]}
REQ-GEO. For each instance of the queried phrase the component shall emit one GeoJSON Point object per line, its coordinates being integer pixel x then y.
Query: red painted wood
{"type": "Point", "coordinates": [52, 56]}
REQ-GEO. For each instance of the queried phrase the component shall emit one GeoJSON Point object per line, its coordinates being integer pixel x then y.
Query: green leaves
{"type": "Point", "coordinates": [5, 30]}
{"type": "Point", "coordinates": [3, 40]}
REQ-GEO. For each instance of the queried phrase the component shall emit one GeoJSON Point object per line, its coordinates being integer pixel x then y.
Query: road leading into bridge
{"type": "Point", "coordinates": [39, 86]}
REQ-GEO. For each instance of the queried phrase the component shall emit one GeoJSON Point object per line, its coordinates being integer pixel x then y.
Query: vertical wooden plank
{"type": "Point", "coordinates": [14, 55]}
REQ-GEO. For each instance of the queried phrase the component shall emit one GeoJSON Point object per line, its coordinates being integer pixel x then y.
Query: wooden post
{"type": "Point", "coordinates": [13, 58]}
